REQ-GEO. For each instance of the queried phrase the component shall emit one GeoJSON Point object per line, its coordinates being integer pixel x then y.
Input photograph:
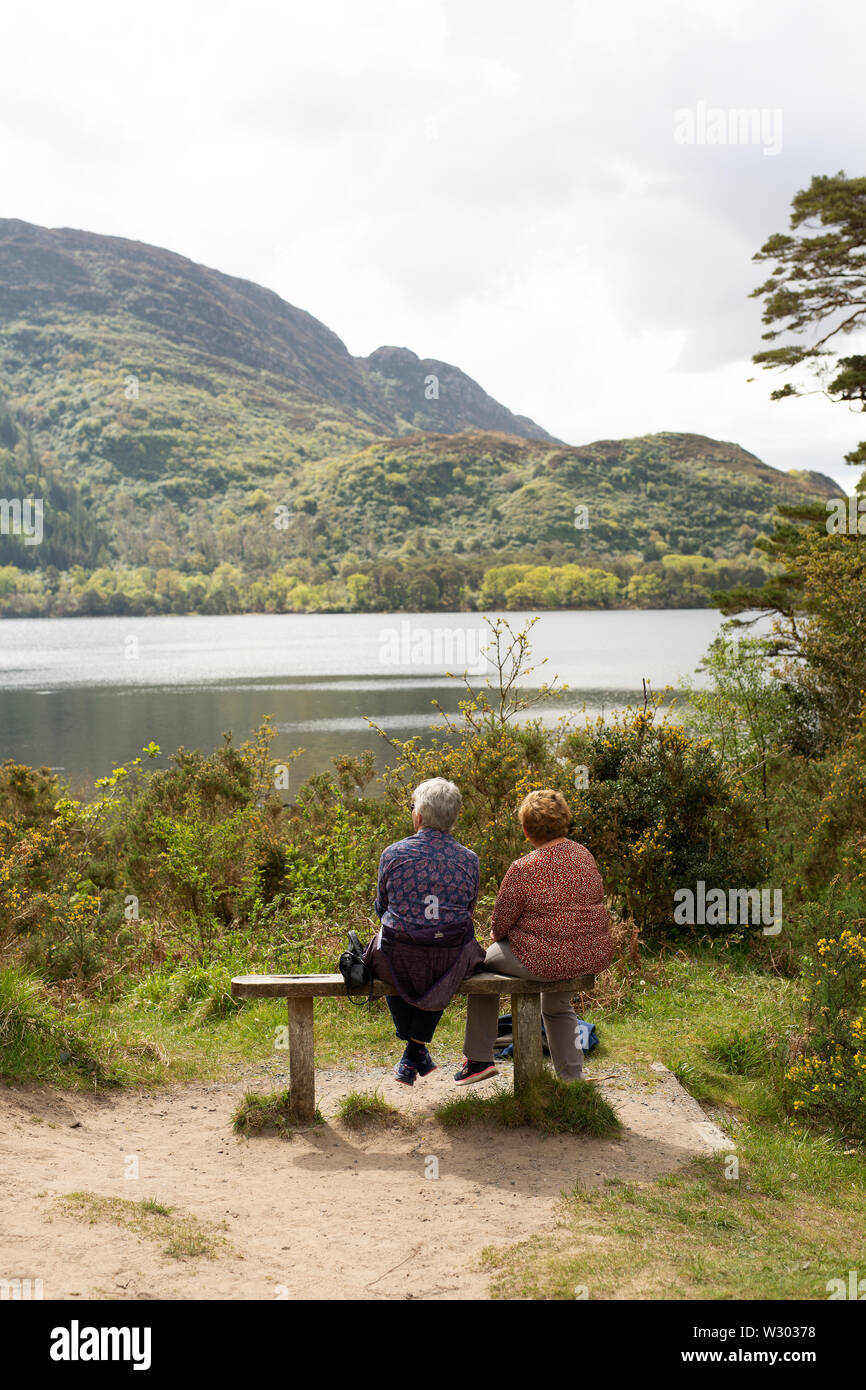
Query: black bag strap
{"type": "Point", "coordinates": [368, 999]}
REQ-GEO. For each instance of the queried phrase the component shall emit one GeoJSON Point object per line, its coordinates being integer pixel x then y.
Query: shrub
{"type": "Point", "coordinates": [835, 833]}
{"type": "Point", "coordinates": [27, 794]}
{"type": "Point", "coordinates": [658, 813]}
{"type": "Point", "coordinates": [827, 1081]}
{"type": "Point", "coordinates": [203, 836]}
{"type": "Point", "coordinates": [326, 876]}
{"type": "Point", "coordinates": [654, 806]}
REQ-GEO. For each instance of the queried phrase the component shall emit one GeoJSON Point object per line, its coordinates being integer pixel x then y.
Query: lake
{"type": "Point", "coordinates": [83, 694]}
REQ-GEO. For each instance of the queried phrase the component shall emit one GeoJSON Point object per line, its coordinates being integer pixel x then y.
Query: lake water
{"type": "Point", "coordinates": [84, 694]}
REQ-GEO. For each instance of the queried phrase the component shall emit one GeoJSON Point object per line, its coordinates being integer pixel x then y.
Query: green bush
{"type": "Point", "coordinates": [659, 814]}
{"type": "Point", "coordinates": [827, 1081]}
{"type": "Point", "coordinates": [330, 872]}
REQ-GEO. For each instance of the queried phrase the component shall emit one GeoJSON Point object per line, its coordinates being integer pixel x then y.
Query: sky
{"type": "Point", "coordinates": [521, 190]}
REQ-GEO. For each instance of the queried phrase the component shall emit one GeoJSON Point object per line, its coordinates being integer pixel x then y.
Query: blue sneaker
{"type": "Point", "coordinates": [426, 1063]}
{"type": "Point", "coordinates": [405, 1072]}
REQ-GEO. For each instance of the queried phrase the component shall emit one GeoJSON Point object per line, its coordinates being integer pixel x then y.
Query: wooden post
{"type": "Point", "coordinates": [302, 1068]}
{"type": "Point", "coordinates": [526, 1027]}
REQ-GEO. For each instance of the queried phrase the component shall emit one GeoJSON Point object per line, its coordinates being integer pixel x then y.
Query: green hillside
{"type": "Point", "coordinates": [200, 445]}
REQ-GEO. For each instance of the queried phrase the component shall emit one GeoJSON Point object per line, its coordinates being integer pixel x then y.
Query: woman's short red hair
{"type": "Point", "coordinates": [544, 815]}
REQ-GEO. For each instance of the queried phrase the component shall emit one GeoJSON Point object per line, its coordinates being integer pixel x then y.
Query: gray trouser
{"type": "Point", "coordinates": [560, 1020]}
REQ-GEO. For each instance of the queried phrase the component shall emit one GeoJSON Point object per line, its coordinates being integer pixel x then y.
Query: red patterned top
{"type": "Point", "coordinates": [550, 908]}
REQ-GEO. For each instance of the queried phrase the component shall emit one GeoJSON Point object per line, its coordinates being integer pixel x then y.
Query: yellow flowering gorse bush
{"type": "Point", "coordinates": [827, 1082]}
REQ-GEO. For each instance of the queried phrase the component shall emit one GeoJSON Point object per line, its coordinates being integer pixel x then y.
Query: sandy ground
{"type": "Point", "coordinates": [328, 1214]}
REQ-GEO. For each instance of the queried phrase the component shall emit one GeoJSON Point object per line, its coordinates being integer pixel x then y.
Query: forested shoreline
{"type": "Point", "coordinates": [421, 584]}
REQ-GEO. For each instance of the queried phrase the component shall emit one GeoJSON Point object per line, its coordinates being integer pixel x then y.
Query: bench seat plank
{"type": "Point", "coordinates": [327, 986]}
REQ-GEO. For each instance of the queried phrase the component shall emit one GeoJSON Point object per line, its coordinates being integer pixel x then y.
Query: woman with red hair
{"type": "Point", "coordinates": [549, 923]}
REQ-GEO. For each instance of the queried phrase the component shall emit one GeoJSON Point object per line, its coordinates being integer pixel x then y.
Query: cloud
{"type": "Point", "coordinates": [490, 185]}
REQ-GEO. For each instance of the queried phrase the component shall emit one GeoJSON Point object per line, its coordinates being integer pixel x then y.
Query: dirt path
{"type": "Point", "coordinates": [330, 1214]}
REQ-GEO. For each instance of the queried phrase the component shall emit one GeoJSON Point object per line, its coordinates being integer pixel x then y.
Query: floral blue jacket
{"type": "Point", "coordinates": [426, 894]}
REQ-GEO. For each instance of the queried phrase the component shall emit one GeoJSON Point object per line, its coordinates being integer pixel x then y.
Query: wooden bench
{"type": "Point", "coordinates": [300, 990]}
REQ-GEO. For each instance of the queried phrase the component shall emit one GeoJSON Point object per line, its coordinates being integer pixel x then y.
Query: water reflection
{"type": "Point", "coordinates": [72, 696]}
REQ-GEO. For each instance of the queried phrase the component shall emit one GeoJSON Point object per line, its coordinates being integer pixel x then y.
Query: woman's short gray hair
{"type": "Point", "coordinates": [438, 803]}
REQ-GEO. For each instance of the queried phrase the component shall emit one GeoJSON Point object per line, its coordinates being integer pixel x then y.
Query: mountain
{"type": "Point", "coordinates": [200, 445]}
{"type": "Point", "coordinates": [88, 311]}
{"type": "Point", "coordinates": [646, 496]}
{"type": "Point", "coordinates": [459, 403]}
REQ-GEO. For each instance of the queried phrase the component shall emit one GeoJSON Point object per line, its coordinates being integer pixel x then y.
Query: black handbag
{"type": "Point", "coordinates": [355, 971]}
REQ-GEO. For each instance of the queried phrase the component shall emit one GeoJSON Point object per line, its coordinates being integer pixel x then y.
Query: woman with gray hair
{"type": "Point", "coordinates": [425, 897]}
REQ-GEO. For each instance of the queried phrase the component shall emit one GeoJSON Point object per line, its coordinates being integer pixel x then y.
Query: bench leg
{"type": "Point", "coordinates": [528, 1056]}
{"type": "Point", "coordinates": [302, 1070]}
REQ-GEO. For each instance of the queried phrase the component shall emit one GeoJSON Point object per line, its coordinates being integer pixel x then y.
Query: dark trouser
{"type": "Point", "coordinates": [410, 1022]}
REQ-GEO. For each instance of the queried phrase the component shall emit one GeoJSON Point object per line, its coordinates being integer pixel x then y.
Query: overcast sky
{"type": "Point", "coordinates": [495, 183]}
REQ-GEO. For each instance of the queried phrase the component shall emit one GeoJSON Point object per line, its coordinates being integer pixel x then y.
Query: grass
{"type": "Point", "coordinates": [141, 1043]}
{"type": "Point", "coordinates": [154, 1045]}
{"type": "Point", "coordinates": [159, 1208]}
{"type": "Point", "coordinates": [258, 1112]}
{"type": "Point", "coordinates": [133, 1042]}
{"type": "Point", "coordinates": [179, 1234]}
{"type": "Point", "coordinates": [724, 992]}
{"type": "Point", "coordinates": [360, 1108]}
{"type": "Point", "coordinates": [38, 1043]}
{"type": "Point", "coordinates": [789, 1219]}
{"type": "Point", "coordinates": [742, 1052]}
{"type": "Point", "coordinates": [726, 1048]}
{"type": "Point", "coordinates": [551, 1105]}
